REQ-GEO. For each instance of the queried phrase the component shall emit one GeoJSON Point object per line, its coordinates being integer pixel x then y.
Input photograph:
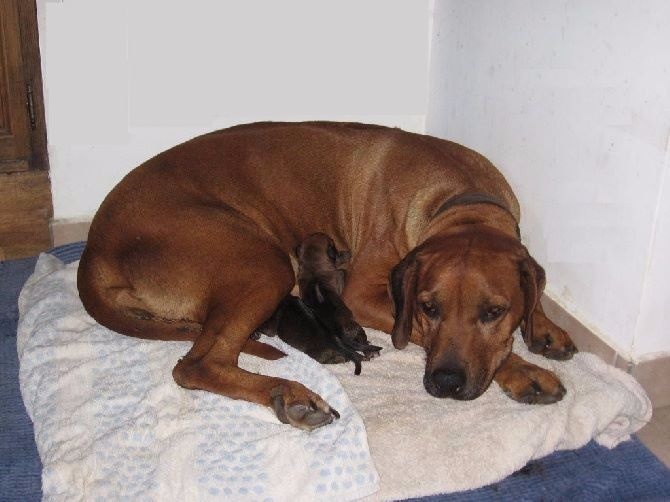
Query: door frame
{"type": "Point", "coordinates": [32, 74]}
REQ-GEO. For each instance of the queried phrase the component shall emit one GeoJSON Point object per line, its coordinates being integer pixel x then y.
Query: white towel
{"type": "Point", "coordinates": [110, 421]}
{"type": "Point", "coordinates": [423, 446]}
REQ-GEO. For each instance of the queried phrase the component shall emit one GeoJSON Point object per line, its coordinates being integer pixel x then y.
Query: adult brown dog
{"type": "Point", "coordinates": [195, 244]}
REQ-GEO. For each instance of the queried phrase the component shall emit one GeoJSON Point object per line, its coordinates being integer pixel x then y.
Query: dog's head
{"type": "Point", "coordinates": [465, 295]}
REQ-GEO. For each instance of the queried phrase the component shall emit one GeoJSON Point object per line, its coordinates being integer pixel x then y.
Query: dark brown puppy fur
{"type": "Point", "coordinates": [319, 323]}
{"type": "Point", "coordinates": [195, 244]}
{"type": "Point", "coordinates": [295, 323]}
{"type": "Point", "coordinates": [321, 278]}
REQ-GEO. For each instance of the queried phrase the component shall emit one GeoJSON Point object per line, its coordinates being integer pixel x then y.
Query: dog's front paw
{"type": "Point", "coordinates": [298, 406]}
{"type": "Point", "coordinates": [549, 340]}
{"type": "Point", "coordinates": [526, 383]}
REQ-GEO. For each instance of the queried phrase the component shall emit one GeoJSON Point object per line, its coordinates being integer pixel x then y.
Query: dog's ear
{"type": "Point", "coordinates": [533, 280]}
{"type": "Point", "coordinates": [342, 258]}
{"type": "Point", "coordinates": [402, 289]}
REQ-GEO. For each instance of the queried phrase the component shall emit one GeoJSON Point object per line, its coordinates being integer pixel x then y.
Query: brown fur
{"type": "Point", "coordinates": [195, 244]}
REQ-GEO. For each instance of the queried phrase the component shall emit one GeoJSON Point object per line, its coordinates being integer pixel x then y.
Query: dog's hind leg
{"type": "Point", "coordinates": [212, 362]}
{"type": "Point", "coordinates": [107, 295]}
{"type": "Point", "coordinates": [211, 365]}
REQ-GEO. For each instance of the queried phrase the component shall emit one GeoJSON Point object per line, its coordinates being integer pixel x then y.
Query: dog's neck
{"type": "Point", "coordinates": [468, 199]}
{"type": "Point", "coordinates": [470, 210]}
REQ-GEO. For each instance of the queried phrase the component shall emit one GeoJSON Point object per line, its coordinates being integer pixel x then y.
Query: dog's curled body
{"type": "Point", "coordinates": [195, 244]}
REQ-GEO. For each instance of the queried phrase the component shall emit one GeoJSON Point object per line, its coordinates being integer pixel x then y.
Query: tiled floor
{"type": "Point", "coordinates": [656, 434]}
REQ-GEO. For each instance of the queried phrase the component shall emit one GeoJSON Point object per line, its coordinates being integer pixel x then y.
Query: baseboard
{"type": "Point", "coordinates": [25, 210]}
{"type": "Point", "coordinates": [67, 231]}
{"type": "Point", "coordinates": [653, 374]}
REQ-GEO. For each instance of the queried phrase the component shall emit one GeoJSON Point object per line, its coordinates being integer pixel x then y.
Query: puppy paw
{"type": "Point", "coordinates": [301, 408]}
{"type": "Point", "coordinates": [329, 356]}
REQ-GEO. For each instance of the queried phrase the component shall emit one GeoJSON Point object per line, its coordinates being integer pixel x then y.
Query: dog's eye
{"type": "Point", "coordinates": [430, 309]}
{"type": "Point", "coordinates": [492, 313]}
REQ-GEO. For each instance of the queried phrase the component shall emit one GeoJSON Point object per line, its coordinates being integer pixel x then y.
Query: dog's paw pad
{"type": "Point", "coordinates": [308, 417]}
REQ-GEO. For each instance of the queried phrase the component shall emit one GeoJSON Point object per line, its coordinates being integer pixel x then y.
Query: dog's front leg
{"type": "Point", "coordinates": [548, 339]}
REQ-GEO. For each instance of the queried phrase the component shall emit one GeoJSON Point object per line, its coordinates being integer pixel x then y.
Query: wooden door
{"type": "Point", "coordinates": [25, 195]}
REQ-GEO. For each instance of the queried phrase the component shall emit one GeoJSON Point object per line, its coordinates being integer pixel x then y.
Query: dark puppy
{"type": "Point", "coordinates": [319, 323]}
{"type": "Point", "coordinates": [321, 278]}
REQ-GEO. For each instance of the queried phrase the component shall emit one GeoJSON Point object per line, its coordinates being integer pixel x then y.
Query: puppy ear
{"type": "Point", "coordinates": [533, 280]}
{"type": "Point", "coordinates": [402, 289]}
{"type": "Point", "coordinates": [343, 258]}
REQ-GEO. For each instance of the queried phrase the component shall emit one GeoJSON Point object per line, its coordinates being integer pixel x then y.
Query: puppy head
{"type": "Point", "coordinates": [318, 258]}
{"type": "Point", "coordinates": [318, 252]}
{"type": "Point", "coordinates": [465, 295]}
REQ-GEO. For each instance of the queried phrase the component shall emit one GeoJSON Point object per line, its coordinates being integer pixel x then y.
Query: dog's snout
{"type": "Point", "coordinates": [449, 381]}
{"type": "Point", "coordinates": [445, 383]}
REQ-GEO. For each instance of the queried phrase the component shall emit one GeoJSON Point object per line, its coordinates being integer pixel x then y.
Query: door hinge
{"type": "Point", "coordinates": [30, 103]}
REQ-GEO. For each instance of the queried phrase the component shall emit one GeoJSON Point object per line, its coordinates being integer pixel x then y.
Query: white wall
{"type": "Point", "coordinates": [129, 78]}
{"type": "Point", "coordinates": [571, 99]}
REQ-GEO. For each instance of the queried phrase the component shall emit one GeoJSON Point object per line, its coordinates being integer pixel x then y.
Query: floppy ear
{"type": "Point", "coordinates": [402, 288]}
{"type": "Point", "coordinates": [533, 280]}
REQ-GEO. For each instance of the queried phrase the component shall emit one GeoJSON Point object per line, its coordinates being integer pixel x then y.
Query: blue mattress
{"type": "Point", "coordinates": [628, 472]}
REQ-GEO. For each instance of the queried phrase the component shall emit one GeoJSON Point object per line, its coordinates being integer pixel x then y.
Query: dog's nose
{"type": "Point", "coordinates": [448, 383]}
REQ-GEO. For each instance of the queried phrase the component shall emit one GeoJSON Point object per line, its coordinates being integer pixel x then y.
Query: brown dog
{"type": "Point", "coordinates": [319, 323]}
{"type": "Point", "coordinates": [195, 244]}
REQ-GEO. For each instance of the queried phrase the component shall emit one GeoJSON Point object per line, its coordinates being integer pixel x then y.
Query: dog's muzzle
{"type": "Point", "coordinates": [445, 383]}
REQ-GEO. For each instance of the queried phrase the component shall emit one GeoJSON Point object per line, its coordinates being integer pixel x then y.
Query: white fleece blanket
{"type": "Point", "coordinates": [110, 422]}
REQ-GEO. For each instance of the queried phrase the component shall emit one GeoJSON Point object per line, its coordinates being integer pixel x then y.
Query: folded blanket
{"type": "Point", "coordinates": [110, 422]}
